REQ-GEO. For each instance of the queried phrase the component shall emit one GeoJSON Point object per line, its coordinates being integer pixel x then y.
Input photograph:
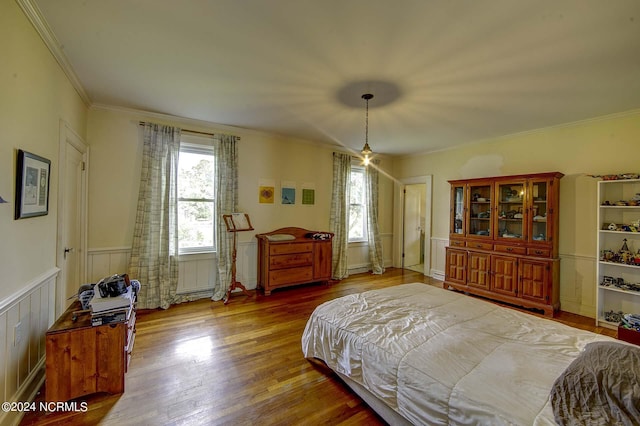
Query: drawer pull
{"type": "Point", "coordinates": [539, 252]}
{"type": "Point", "coordinates": [509, 248]}
{"type": "Point", "coordinates": [479, 245]}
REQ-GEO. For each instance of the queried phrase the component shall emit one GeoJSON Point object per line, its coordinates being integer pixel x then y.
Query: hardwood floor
{"type": "Point", "coordinates": [206, 363]}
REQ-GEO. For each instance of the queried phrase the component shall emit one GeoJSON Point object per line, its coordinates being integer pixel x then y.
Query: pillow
{"type": "Point", "coordinates": [600, 387]}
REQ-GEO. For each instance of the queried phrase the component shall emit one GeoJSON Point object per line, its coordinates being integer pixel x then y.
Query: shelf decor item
{"type": "Point", "coordinates": [32, 185]}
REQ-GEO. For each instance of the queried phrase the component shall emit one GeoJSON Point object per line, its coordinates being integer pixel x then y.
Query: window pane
{"type": "Point", "coordinates": [356, 222]}
{"type": "Point", "coordinates": [195, 175]}
{"type": "Point", "coordinates": [357, 212]}
{"type": "Point", "coordinates": [195, 224]}
{"type": "Point", "coordinates": [357, 187]}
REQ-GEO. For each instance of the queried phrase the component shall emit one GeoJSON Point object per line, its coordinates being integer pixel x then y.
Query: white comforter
{"type": "Point", "coordinates": [440, 357]}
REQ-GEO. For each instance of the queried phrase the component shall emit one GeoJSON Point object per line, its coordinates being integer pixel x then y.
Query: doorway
{"type": "Point", "coordinates": [414, 220]}
{"type": "Point", "coordinates": [72, 215]}
{"type": "Point", "coordinates": [416, 224]}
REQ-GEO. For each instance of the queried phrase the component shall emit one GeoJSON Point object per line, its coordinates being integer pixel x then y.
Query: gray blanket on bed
{"type": "Point", "coordinates": [600, 387]}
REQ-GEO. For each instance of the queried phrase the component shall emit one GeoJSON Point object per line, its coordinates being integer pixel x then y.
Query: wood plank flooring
{"type": "Point", "coordinates": [206, 363]}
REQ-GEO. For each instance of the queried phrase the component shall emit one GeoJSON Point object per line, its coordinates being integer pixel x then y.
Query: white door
{"type": "Point", "coordinates": [413, 221]}
{"type": "Point", "coordinates": [71, 216]}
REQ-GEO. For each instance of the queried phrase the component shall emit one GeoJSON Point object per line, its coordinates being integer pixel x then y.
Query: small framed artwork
{"type": "Point", "coordinates": [288, 190]}
{"type": "Point", "coordinates": [266, 194]}
{"type": "Point", "coordinates": [308, 196]}
{"type": "Point", "coordinates": [32, 185]}
{"type": "Point", "coordinates": [308, 193]}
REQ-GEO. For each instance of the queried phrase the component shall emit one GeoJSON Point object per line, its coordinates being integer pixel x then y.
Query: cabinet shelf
{"type": "Point", "coordinates": [606, 231]}
{"type": "Point", "coordinates": [608, 324]}
{"type": "Point", "coordinates": [624, 265]}
{"type": "Point", "coordinates": [619, 290]}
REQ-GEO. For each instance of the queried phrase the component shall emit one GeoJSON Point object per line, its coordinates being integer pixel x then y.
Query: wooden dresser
{"type": "Point", "coordinates": [82, 359]}
{"type": "Point", "coordinates": [300, 260]}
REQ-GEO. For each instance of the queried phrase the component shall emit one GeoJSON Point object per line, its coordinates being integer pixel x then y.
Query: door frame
{"type": "Point", "coordinates": [399, 224]}
{"type": "Point", "coordinates": [69, 136]}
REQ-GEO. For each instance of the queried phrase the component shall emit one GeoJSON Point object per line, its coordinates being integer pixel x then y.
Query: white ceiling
{"type": "Point", "coordinates": [442, 72]}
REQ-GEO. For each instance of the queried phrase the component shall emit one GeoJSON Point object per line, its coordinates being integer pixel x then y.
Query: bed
{"type": "Point", "coordinates": [418, 354]}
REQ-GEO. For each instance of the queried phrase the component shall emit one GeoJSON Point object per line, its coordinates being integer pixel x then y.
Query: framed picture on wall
{"type": "Point", "coordinates": [32, 185]}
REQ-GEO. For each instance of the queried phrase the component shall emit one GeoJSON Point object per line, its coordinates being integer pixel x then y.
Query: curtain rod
{"type": "Point", "coordinates": [142, 123]}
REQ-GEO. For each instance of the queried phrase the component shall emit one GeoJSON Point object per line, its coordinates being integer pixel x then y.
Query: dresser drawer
{"type": "Point", "coordinates": [290, 260]}
{"type": "Point", "coordinates": [290, 276]}
{"type": "Point", "coordinates": [456, 243]}
{"type": "Point", "coordinates": [479, 245]}
{"type": "Point", "coordinates": [276, 249]}
{"type": "Point", "coordinates": [541, 252]}
{"type": "Point", "coordinates": [511, 249]}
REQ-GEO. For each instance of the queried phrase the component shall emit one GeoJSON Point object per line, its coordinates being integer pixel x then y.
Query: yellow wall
{"type": "Point", "coordinates": [116, 156]}
{"type": "Point", "coordinates": [36, 95]}
{"type": "Point", "coordinates": [600, 146]}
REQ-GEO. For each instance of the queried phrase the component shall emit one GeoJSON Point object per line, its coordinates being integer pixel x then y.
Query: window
{"type": "Point", "coordinates": [196, 196]}
{"type": "Point", "coordinates": [358, 206]}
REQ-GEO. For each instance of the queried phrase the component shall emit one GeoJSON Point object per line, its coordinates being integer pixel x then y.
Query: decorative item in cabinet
{"type": "Point", "coordinates": [503, 241]}
{"type": "Point", "coordinates": [480, 209]}
{"type": "Point", "coordinates": [618, 241]}
{"type": "Point", "coordinates": [511, 210]}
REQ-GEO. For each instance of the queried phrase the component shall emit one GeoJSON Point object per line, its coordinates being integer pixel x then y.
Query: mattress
{"type": "Point", "coordinates": [439, 357]}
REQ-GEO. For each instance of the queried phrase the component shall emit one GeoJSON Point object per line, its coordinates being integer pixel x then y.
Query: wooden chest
{"type": "Point", "coordinates": [82, 359]}
{"type": "Point", "coordinates": [291, 262]}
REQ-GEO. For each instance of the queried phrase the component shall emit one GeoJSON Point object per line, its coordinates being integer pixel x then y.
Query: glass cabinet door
{"type": "Point", "coordinates": [480, 210]}
{"type": "Point", "coordinates": [457, 219]}
{"type": "Point", "coordinates": [539, 208]}
{"type": "Point", "coordinates": [511, 211]}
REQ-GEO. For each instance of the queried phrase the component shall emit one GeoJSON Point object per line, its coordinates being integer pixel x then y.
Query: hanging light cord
{"type": "Point", "coordinates": [366, 125]}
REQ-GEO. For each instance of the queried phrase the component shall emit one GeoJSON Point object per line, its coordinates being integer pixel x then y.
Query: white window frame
{"type": "Point", "coordinates": [197, 148]}
{"type": "Point", "coordinates": [359, 169]}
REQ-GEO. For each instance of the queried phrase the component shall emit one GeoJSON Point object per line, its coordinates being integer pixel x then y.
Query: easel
{"type": "Point", "coordinates": [236, 222]}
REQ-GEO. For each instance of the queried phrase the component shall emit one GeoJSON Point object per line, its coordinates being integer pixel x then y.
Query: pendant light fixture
{"type": "Point", "coordinates": [366, 150]}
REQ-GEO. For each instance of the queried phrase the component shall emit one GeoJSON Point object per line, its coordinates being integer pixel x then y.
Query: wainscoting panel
{"type": "Point", "coordinates": [198, 272]}
{"type": "Point", "coordinates": [578, 284]}
{"type": "Point", "coordinates": [247, 264]}
{"type": "Point", "coordinates": [438, 257]}
{"type": "Point", "coordinates": [104, 262]}
{"type": "Point", "coordinates": [358, 254]}
{"type": "Point", "coordinates": [24, 320]}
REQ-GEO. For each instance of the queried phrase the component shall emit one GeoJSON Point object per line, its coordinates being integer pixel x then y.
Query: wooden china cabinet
{"type": "Point", "coordinates": [503, 239]}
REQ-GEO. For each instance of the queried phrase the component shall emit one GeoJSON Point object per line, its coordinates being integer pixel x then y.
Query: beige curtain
{"type": "Point", "coordinates": [155, 237]}
{"type": "Point", "coordinates": [226, 155]}
{"type": "Point", "coordinates": [375, 245]}
{"type": "Point", "coordinates": [339, 219]}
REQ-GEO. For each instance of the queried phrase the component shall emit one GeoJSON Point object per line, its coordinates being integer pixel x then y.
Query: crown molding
{"type": "Point", "coordinates": [32, 13]}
